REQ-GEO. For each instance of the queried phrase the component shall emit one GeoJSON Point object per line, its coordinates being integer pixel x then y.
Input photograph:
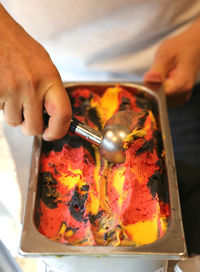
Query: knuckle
{"type": "Point", "coordinates": [49, 79]}
{"type": "Point", "coordinates": [64, 114]}
{"type": "Point", "coordinates": [189, 86]}
{"type": "Point", "coordinates": [37, 84]}
{"type": "Point", "coordinates": [186, 85]}
{"type": "Point", "coordinates": [12, 87]}
{"type": "Point", "coordinates": [12, 118]}
{"type": "Point", "coordinates": [31, 131]}
{"type": "Point", "coordinates": [52, 74]}
{"type": "Point", "coordinates": [29, 83]}
{"type": "Point", "coordinates": [13, 123]}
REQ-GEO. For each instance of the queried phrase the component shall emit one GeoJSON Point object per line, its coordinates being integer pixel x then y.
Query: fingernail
{"type": "Point", "coordinates": [47, 138]}
{"type": "Point", "coordinates": [152, 76]}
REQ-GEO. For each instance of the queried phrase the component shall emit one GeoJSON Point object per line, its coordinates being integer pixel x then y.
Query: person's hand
{"type": "Point", "coordinates": [176, 65]}
{"type": "Point", "coordinates": [29, 82]}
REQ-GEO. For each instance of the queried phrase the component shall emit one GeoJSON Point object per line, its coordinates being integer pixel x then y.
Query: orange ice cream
{"type": "Point", "coordinates": [84, 199]}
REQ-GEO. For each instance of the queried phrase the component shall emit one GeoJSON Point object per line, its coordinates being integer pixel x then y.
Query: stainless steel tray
{"type": "Point", "coordinates": [170, 246]}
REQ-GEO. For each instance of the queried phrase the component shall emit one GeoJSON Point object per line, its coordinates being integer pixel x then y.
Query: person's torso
{"type": "Point", "coordinates": [114, 35]}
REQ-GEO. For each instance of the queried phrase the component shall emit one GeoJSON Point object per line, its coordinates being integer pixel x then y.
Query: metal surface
{"type": "Point", "coordinates": [110, 141]}
{"type": "Point", "coordinates": [115, 132]}
{"type": "Point", "coordinates": [89, 134]}
{"type": "Point", "coordinates": [111, 146]}
{"type": "Point", "coordinates": [170, 246]}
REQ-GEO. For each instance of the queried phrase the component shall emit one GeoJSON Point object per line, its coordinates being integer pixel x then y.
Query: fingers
{"type": "Point", "coordinates": [179, 85]}
{"type": "Point", "coordinates": [58, 107]}
{"type": "Point", "coordinates": [179, 79]}
{"type": "Point", "coordinates": [33, 117]}
{"type": "Point", "coordinates": [163, 63]}
{"type": "Point", "coordinates": [29, 113]}
{"type": "Point", "coordinates": [13, 112]}
{"type": "Point", "coordinates": [175, 69]}
{"type": "Point", "coordinates": [153, 76]}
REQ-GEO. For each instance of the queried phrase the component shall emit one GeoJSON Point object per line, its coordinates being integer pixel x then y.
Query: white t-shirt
{"type": "Point", "coordinates": [97, 39]}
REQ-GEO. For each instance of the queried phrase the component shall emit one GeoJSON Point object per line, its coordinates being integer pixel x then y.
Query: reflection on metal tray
{"type": "Point", "coordinates": [170, 246]}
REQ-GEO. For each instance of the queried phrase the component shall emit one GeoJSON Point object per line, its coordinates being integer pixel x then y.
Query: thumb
{"type": "Point", "coordinates": [160, 69]}
{"type": "Point", "coordinates": [180, 81]}
{"type": "Point", "coordinates": [58, 107]}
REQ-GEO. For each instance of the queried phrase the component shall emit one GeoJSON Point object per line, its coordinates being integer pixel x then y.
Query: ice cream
{"type": "Point", "coordinates": [84, 199]}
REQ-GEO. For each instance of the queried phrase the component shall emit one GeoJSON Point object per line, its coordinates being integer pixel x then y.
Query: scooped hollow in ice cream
{"type": "Point", "coordinates": [116, 133]}
{"type": "Point", "coordinates": [84, 199]}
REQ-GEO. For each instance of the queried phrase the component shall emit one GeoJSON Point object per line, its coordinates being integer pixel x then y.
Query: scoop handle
{"type": "Point", "coordinates": [86, 132]}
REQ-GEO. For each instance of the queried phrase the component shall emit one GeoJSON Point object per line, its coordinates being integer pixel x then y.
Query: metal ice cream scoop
{"type": "Point", "coordinates": [110, 141]}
